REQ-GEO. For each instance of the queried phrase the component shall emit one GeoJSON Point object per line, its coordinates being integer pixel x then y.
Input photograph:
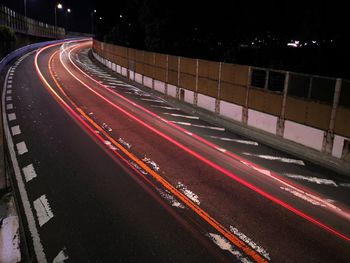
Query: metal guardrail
{"type": "Point", "coordinates": [28, 26]}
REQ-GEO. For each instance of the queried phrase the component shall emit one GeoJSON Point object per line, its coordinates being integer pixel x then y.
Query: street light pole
{"type": "Point", "coordinates": [59, 6]}
{"type": "Point", "coordinates": [25, 7]}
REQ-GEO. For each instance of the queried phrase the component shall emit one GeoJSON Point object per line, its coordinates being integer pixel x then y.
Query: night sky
{"type": "Point", "coordinates": [215, 30]}
{"type": "Point", "coordinates": [43, 10]}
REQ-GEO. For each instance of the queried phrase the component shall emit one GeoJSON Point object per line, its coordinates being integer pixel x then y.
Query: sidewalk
{"type": "Point", "coordinates": [9, 231]}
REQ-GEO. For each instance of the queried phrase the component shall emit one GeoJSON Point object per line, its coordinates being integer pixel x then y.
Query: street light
{"type": "Point", "coordinates": [92, 21]}
{"type": "Point", "coordinates": [66, 18]}
{"type": "Point", "coordinates": [58, 6]}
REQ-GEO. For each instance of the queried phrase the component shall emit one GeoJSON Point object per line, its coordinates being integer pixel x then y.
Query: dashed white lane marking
{"type": "Point", "coordinates": [9, 87]}
{"type": "Point", "coordinates": [9, 81]}
{"type": "Point", "coordinates": [21, 148]}
{"type": "Point", "coordinates": [316, 180]}
{"type": "Point", "coordinates": [29, 172]}
{"type": "Point", "coordinates": [9, 91]}
{"type": "Point", "coordinates": [250, 242]}
{"type": "Point", "coordinates": [235, 140]}
{"type": "Point", "coordinates": [152, 100]}
{"type": "Point", "coordinates": [12, 116]}
{"type": "Point", "coordinates": [199, 126]}
{"type": "Point", "coordinates": [224, 244]}
{"type": "Point", "coordinates": [15, 130]}
{"type": "Point", "coordinates": [182, 116]}
{"type": "Point", "coordinates": [10, 77]}
{"type": "Point", "coordinates": [276, 158]}
{"type": "Point", "coordinates": [43, 210]}
{"type": "Point", "coordinates": [38, 248]}
{"type": "Point", "coordinates": [165, 107]}
{"type": "Point", "coordinates": [61, 257]}
{"type": "Point", "coordinates": [345, 184]}
{"type": "Point", "coordinates": [9, 106]}
{"type": "Point", "coordinates": [9, 98]}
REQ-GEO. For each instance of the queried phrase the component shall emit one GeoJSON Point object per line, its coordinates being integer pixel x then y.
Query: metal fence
{"type": "Point", "coordinates": [315, 101]}
{"type": "Point", "coordinates": [28, 26]}
{"type": "Point", "coordinates": [309, 87]}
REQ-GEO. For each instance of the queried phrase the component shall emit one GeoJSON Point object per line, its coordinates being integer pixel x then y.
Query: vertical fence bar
{"type": "Point", "coordinates": [166, 75]}
{"type": "Point", "coordinates": [178, 77]}
{"type": "Point", "coordinates": [281, 118]}
{"type": "Point", "coordinates": [266, 86]}
{"type": "Point", "coordinates": [246, 102]}
{"type": "Point", "coordinates": [195, 95]}
{"type": "Point", "coordinates": [217, 100]}
{"type": "Point", "coordinates": [154, 69]}
{"type": "Point", "coordinates": [328, 138]}
{"type": "Point", "coordinates": [310, 88]}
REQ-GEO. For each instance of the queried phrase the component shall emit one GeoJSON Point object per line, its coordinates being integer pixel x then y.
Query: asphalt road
{"type": "Point", "coordinates": [121, 175]}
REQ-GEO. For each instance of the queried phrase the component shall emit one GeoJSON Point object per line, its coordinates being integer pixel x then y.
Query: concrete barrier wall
{"type": "Point", "coordinates": [235, 92]}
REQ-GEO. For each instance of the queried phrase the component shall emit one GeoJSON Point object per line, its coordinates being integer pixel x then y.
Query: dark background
{"type": "Point", "coordinates": [217, 30]}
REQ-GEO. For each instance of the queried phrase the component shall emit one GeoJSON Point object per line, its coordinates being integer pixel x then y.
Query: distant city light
{"type": "Point", "coordinates": [100, 18]}
{"type": "Point", "coordinates": [68, 10]}
{"type": "Point", "coordinates": [121, 16]}
{"type": "Point", "coordinates": [59, 6]}
{"type": "Point", "coordinates": [294, 43]}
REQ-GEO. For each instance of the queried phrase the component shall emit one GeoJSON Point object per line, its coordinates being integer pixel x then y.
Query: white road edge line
{"type": "Point", "coordinates": [38, 247]}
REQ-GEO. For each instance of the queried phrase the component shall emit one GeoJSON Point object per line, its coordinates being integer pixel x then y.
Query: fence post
{"type": "Point", "coordinates": [217, 100]}
{"type": "Point", "coordinates": [328, 138]}
{"type": "Point", "coordinates": [195, 95]}
{"type": "Point", "coordinates": [154, 69]}
{"type": "Point", "coordinates": [166, 75]}
{"type": "Point", "coordinates": [267, 80]}
{"type": "Point", "coordinates": [280, 121]}
{"type": "Point", "coordinates": [246, 103]}
{"type": "Point", "coordinates": [178, 77]}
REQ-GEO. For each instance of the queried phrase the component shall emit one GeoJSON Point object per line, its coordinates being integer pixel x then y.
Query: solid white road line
{"type": "Point", "coordinates": [15, 130]}
{"type": "Point", "coordinates": [12, 116]}
{"type": "Point", "coordinates": [21, 148]}
{"type": "Point", "coordinates": [235, 140]}
{"type": "Point", "coordinates": [9, 106]}
{"type": "Point", "coordinates": [43, 210]}
{"type": "Point", "coordinates": [38, 248]}
{"type": "Point", "coordinates": [29, 172]}
{"type": "Point", "coordinates": [276, 158]}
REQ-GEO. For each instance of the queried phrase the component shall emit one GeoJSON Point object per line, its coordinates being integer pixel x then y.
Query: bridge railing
{"type": "Point", "coordinates": [28, 26]}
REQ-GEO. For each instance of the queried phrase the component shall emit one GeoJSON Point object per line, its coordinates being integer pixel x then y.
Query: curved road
{"type": "Point", "coordinates": [109, 171]}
